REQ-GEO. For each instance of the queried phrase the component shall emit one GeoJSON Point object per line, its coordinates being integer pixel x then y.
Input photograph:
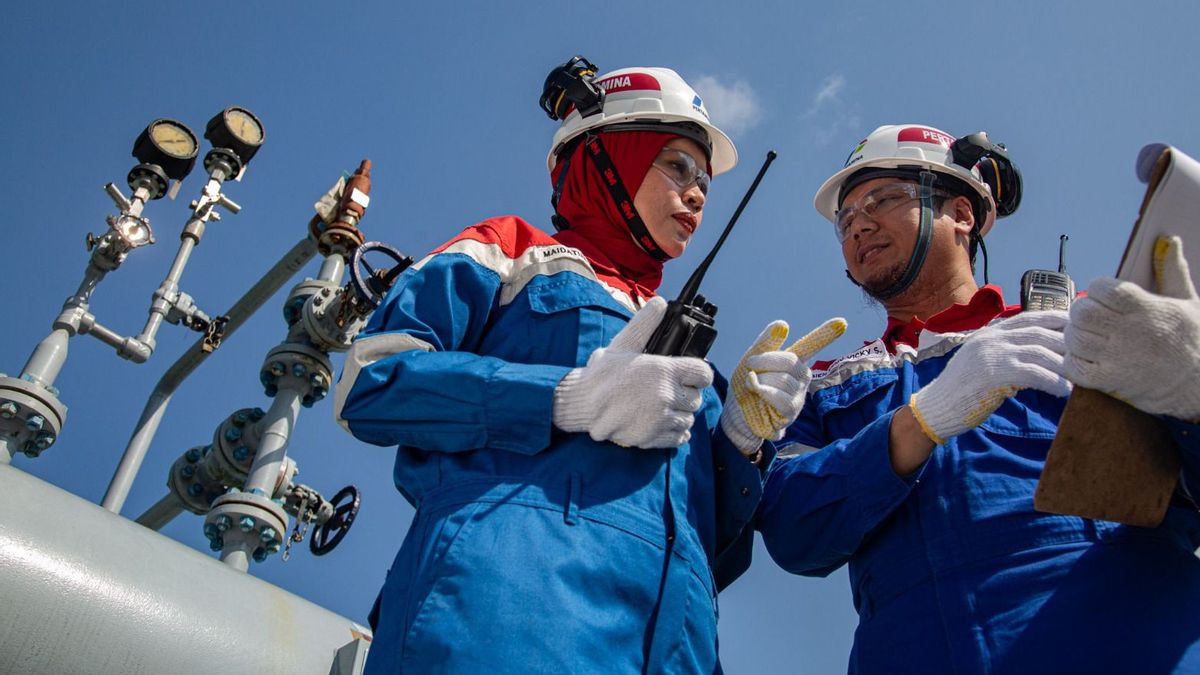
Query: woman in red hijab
{"type": "Point", "coordinates": [579, 503]}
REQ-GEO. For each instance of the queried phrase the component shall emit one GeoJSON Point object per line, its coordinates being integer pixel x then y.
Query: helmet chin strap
{"type": "Point", "coordinates": [921, 249]}
{"type": "Point", "coordinates": [983, 250]}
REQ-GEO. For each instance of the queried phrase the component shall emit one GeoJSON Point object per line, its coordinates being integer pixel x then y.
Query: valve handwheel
{"type": "Point", "coordinates": [374, 284]}
{"type": "Point", "coordinates": [330, 533]}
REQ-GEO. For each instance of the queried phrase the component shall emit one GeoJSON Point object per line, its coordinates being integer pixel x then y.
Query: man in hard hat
{"type": "Point", "coordinates": [579, 502]}
{"type": "Point", "coordinates": [915, 458]}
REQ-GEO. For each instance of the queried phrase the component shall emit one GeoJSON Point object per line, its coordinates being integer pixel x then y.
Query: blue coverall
{"type": "Point", "coordinates": [534, 550]}
{"type": "Point", "coordinates": [952, 570]}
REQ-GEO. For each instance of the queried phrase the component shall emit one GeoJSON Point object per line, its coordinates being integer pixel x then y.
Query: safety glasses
{"type": "Point", "coordinates": [878, 203]}
{"type": "Point", "coordinates": [681, 168]}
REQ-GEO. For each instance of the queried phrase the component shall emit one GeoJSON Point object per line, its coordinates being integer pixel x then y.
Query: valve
{"type": "Point", "coordinates": [330, 533]}
{"type": "Point", "coordinates": [370, 284]}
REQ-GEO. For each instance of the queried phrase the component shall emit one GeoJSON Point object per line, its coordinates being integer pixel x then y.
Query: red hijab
{"type": "Point", "coordinates": [595, 225]}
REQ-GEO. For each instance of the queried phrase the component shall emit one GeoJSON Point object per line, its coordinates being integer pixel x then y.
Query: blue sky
{"type": "Point", "coordinates": [442, 97]}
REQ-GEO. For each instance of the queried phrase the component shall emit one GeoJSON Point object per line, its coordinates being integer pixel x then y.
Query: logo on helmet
{"type": "Point", "coordinates": [850, 159]}
{"type": "Point", "coordinates": [639, 81]}
{"type": "Point", "coordinates": [924, 135]}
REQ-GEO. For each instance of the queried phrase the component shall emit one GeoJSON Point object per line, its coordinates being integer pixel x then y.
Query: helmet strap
{"type": "Point", "coordinates": [982, 249]}
{"type": "Point", "coordinates": [594, 148]}
{"type": "Point", "coordinates": [559, 222]}
{"type": "Point", "coordinates": [924, 237]}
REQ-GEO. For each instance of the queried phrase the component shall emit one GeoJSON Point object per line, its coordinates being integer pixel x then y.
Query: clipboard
{"type": "Point", "coordinates": [1110, 461]}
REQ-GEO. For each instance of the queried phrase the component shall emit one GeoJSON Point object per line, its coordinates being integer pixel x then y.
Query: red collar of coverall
{"type": "Point", "coordinates": [987, 304]}
{"type": "Point", "coordinates": [596, 226]}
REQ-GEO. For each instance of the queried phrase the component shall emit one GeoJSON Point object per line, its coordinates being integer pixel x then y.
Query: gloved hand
{"type": "Point", "coordinates": [1138, 346]}
{"type": "Point", "coordinates": [1021, 352]}
{"type": "Point", "coordinates": [768, 386]}
{"type": "Point", "coordinates": [630, 398]}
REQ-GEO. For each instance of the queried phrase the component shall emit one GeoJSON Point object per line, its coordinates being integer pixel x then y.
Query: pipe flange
{"type": "Point", "coordinates": [324, 320]}
{"type": "Point", "coordinates": [299, 367]}
{"type": "Point", "coordinates": [192, 482]}
{"type": "Point", "coordinates": [294, 305]}
{"type": "Point", "coordinates": [236, 441]}
{"type": "Point", "coordinates": [246, 520]}
{"type": "Point", "coordinates": [31, 414]}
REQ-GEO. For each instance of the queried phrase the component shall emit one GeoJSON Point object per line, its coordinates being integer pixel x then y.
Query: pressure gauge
{"type": "Point", "coordinates": [168, 144]}
{"type": "Point", "coordinates": [236, 129]}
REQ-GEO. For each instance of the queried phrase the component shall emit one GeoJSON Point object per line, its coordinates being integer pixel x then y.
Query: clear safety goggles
{"type": "Point", "coordinates": [879, 203]}
{"type": "Point", "coordinates": [682, 169]}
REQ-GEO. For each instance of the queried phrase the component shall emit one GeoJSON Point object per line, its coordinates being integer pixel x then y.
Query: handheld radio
{"type": "Point", "coordinates": [687, 328]}
{"type": "Point", "coordinates": [1046, 289]}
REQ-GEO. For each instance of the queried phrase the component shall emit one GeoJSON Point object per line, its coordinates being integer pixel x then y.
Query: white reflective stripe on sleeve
{"type": "Point", "coordinates": [794, 449]}
{"type": "Point", "coordinates": [363, 353]}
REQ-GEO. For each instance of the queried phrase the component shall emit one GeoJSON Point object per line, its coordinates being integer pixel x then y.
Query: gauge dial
{"type": "Point", "coordinates": [235, 130]}
{"type": "Point", "coordinates": [168, 145]}
{"type": "Point", "coordinates": [244, 126]}
{"type": "Point", "coordinates": [174, 139]}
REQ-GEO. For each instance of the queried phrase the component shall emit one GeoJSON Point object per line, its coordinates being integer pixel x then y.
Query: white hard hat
{"type": "Point", "coordinates": [653, 96]}
{"type": "Point", "coordinates": [905, 147]}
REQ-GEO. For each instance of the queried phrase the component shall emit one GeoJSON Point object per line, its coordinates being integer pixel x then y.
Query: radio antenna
{"type": "Point", "coordinates": [692, 287]}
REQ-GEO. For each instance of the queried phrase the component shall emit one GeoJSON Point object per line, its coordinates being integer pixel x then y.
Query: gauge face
{"type": "Point", "coordinates": [244, 126]}
{"type": "Point", "coordinates": [168, 145]}
{"type": "Point", "coordinates": [174, 139]}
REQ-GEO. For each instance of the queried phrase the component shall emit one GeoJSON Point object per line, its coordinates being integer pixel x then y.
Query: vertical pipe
{"type": "Point", "coordinates": [48, 358]}
{"type": "Point", "coordinates": [236, 557]}
{"type": "Point", "coordinates": [332, 268]}
{"type": "Point", "coordinates": [158, 311]}
{"type": "Point", "coordinates": [276, 428]}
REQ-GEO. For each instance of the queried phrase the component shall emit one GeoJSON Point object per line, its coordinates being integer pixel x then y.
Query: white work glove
{"type": "Point", "coordinates": [768, 385]}
{"type": "Point", "coordinates": [630, 398]}
{"type": "Point", "coordinates": [1021, 352]}
{"type": "Point", "coordinates": [1138, 346]}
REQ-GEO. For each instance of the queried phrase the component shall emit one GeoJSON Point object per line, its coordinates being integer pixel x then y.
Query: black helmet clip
{"type": "Point", "coordinates": [572, 84]}
{"type": "Point", "coordinates": [998, 171]}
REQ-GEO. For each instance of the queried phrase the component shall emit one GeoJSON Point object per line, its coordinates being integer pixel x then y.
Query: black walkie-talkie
{"type": "Point", "coordinates": [1044, 289]}
{"type": "Point", "coordinates": [687, 329]}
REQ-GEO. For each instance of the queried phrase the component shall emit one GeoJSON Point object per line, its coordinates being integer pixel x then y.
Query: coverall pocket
{"type": "Point", "coordinates": [574, 306]}
{"type": "Point", "coordinates": [1026, 414]}
{"type": "Point", "coordinates": [519, 590]}
{"type": "Point", "coordinates": [440, 536]}
{"type": "Point", "coordinates": [842, 409]}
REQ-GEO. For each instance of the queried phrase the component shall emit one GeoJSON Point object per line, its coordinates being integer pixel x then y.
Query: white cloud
{"type": "Point", "coordinates": [828, 116]}
{"type": "Point", "coordinates": [828, 94]}
{"type": "Point", "coordinates": [733, 107]}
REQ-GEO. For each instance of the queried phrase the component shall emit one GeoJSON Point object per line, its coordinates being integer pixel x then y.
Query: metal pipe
{"type": "Point", "coordinates": [169, 286]}
{"type": "Point", "coordinates": [164, 511]}
{"type": "Point", "coordinates": [160, 398]}
{"type": "Point", "coordinates": [47, 358]}
{"type": "Point", "coordinates": [130, 348]}
{"type": "Point", "coordinates": [236, 557]}
{"type": "Point", "coordinates": [276, 429]}
{"type": "Point", "coordinates": [92, 276]}
{"type": "Point", "coordinates": [85, 591]}
{"type": "Point", "coordinates": [8, 448]}
{"type": "Point", "coordinates": [332, 269]}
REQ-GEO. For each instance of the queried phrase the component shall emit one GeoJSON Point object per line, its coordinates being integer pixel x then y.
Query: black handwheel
{"type": "Point", "coordinates": [329, 534]}
{"type": "Point", "coordinates": [371, 284]}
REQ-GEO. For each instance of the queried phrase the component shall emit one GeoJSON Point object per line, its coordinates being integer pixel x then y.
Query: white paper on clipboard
{"type": "Point", "coordinates": [1171, 206]}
